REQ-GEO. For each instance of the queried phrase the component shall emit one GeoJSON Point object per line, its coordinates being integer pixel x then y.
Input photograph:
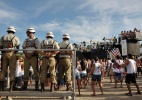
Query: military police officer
{"type": "Point", "coordinates": [48, 62]}
{"type": "Point", "coordinates": [64, 64]}
{"type": "Point", "coordinates": [31, 58]}
{"type": "Point", "coordinates": [9, 42]}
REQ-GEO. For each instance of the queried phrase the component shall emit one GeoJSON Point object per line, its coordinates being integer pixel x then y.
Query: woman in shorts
{"type": "Point", "coordinates": [96, 76]}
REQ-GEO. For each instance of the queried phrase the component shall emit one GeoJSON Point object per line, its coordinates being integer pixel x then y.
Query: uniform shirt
{"type": "Point", "coordinates": [97, 70]}
{"type": "Point", "coordinates": [49, 41]}
{"type": "Point", "coordinates": [8, 37]}
{"type": "Point", "coordinates": [63, 45]}
{"type": "Point", "coordinates": [131, 67]}
{"type": "Point", "coordinates": [26, 44]}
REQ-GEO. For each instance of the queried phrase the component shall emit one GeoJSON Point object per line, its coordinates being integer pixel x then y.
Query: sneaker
{"type": "Point", "coordinates": [138, 92]}
{"type": "Point", "coordinates": [129, 94]}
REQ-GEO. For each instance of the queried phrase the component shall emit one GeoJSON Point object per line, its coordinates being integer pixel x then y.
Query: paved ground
{"type": "Point", "coordinates": [110, 93]}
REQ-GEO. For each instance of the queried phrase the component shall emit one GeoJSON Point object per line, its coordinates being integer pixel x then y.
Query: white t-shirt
{"type": "Point", "coordinates": [108, 64]}
{"type": "Point", "coordinates": [77, 71]}
{"type": "Point", "coordinates": [97, 70]}
{"type": "Point", "coordinates": [18, 71]}
{"type": "Point", "coordinates": [120, 70]}
{"type": "Point", "coordinates": [131, 67]}
{"type": "Point", "coordinates": [119, 62]}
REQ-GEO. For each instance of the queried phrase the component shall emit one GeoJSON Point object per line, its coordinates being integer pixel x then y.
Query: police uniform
{"type": "Point", "coordinates": [9, 42]}
{"type": "Point", "coordinates": [64, 64]}
{"type": "Point", "coordinates": [31, 59]}
{"type": "Point", "coordinates": [48, 62]}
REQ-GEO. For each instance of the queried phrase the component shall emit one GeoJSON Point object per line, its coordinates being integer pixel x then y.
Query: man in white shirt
{"type": "Point", "coordinates": [130, 64]}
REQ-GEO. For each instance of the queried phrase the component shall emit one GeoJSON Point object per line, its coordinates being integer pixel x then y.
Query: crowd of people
{"type": "Point", "coordinates": [58, 72]}
{"type": "Point", "coordinates": [117, 69]}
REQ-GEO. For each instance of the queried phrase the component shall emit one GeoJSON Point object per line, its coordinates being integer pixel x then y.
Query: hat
{"type": "Point", "coordinates": [66, 36]}
{"type": "Point", "coordinates": [50, 34]}
{"type": "Point", "coordinates": [11, 28]}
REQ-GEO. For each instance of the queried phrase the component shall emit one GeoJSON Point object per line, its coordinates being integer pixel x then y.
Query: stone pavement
{"type": "Point", "coordinates": [110, 93]}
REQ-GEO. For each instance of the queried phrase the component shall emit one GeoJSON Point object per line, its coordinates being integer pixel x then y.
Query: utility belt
{"type": "Point", "coordinates": [8, 52]}
{"type": "Point", "coordinates": [64, 58]}
{"type": "Point", "coordinates": [48, 57]}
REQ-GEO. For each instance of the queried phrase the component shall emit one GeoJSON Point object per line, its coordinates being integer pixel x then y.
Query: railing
{"type": "Point", "coordinates": [45, 94]}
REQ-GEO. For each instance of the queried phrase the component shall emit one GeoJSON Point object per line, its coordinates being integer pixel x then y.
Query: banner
{"type": "Point", "coordinates": [124, 47]}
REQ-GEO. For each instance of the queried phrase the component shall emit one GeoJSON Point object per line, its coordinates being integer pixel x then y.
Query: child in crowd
{"type": "Point", "coordinates": [18, 74]}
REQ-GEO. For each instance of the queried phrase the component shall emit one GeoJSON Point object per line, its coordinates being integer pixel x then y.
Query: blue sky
{"type": "Point", "coordinates": [84, 20]}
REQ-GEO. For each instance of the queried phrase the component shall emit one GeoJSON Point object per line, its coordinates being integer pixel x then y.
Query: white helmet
{"type": "Point", "coordinates": [11, 28]}
{"type": "Point", "coordinates": [50, 34]}
{"type": "Point", "coordinates": [31, 30]}
{"type": "Point", "coordinates": [66, 36]}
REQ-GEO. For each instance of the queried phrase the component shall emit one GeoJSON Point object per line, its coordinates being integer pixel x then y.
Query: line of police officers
{"type": "Point", "coordinates": [10, 41]}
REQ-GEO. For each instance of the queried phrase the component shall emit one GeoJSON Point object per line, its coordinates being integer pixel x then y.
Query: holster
{"type": "Point", "coordinates": [2, 76]}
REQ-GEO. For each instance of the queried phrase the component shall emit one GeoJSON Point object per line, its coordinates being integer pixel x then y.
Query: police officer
{"type": "Point", "coordinates": [64, 64]}
{"type": "Point", "coordinates": [48, 62]}
{"type": "Point", "coordinates": [31, 58]}
{"type": "Point", "coordinates": [9, 42]}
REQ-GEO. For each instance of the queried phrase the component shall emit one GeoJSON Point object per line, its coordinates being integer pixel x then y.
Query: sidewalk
{"type": "Point", "coordinates": [110, 93]}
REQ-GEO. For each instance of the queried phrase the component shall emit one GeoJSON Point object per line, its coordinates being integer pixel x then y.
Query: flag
{"type": "Point", "coordinates": [115, 52]}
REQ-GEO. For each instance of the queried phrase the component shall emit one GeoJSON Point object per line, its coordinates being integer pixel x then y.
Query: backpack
{"type": "Point", "coordinates": [31, 43]}
{"type": "Point", "coordinates": [64, 52]}
{"type": "Point", "coordinates": [7, 43]}
{"type": "Point", "coordinates": [48, 46]}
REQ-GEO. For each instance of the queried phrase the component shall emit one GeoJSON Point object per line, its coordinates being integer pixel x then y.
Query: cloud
{"type": "Point", "coordinates": [83, 28]}
{"type": "Point", "coordinates": [112, 6]}
{"type": "Point", "coordinates": [9, 15]}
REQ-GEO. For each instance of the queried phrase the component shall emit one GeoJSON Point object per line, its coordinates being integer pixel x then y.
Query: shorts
{"type": "Point", "coordinates": [118, 76]}
{"type": "Point", "coordinates": [77, 76]}
{"type": "Point", "coordinates": [18, 81]}
{"type": "Point", "coordinates": [83, 75]}
{"type": "Point", "coordinates": [139, 69]}
{"type": "Point", "coordinates": [96, 77]}
{"type": "Point", "coordinates": [130, 78]}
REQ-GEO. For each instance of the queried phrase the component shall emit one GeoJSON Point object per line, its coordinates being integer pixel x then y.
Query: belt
{"type": "Point", "coordinates": [64, 58]}
{"type": "Point", "coordinates": [9, 52]}
{"type": "Point", "coordinates": [49, 57]}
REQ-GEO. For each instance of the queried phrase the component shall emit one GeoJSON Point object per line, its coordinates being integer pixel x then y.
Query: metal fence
{"type": "Point", "coordinates": [36, 94]}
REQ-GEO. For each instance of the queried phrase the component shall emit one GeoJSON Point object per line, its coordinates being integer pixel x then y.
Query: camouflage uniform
{"type": "Point", "coordinates": [9, 41]}
{"type": "Point", "coordinates": [64, 64]}
{"type": "Point", "coordinates": [48, 62]}
{"type": "Point", "coordinates": [31, 59]}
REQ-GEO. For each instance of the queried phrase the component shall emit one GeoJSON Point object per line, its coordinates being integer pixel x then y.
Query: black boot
{"type": "Point", "coordinates": [11, 86]}
{"type": "Point", "coordinates": [59, 84]}
{"type": "Point", "coordinates": [1, 85]}
{"type": "Point", "coordinates": [36, 86]}
{"type": "Point", "coordinates": [24, 87]}
{"type": "Point", "coordinates": [53, 87]}
{"type": "Point", "coordinates": [69, 88]}
{"type": "Point", "coordinates": [42, 87]}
